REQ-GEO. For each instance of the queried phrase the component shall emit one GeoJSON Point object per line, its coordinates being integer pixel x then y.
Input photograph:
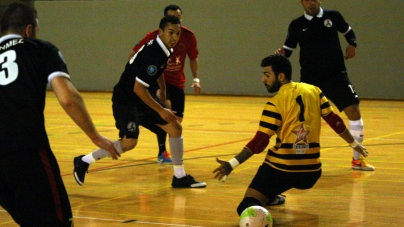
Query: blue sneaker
{"type": "Point", "coordinates": [164, 158]}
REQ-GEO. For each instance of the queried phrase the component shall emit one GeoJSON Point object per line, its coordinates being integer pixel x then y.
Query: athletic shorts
{"type": "Point", "coordinates": [177, 98]}
{"type": "Point", "coordinates": [128, 118]}
{"type": "Point", "coordinates": [272, 182]}
{"type": "Point", "coordinates": [335, 86]}
{"type": "Point", "coordinates": [32, 189]}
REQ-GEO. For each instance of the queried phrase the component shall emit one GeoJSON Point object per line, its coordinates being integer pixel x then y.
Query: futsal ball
{"type": "Point", "coordinates": [255, 216]}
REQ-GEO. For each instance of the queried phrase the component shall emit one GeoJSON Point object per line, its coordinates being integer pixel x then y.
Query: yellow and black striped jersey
{"type": "Point", "coordinates": [294, 115]}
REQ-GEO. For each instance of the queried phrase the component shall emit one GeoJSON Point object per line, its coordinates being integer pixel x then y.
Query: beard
{"type": "Point", "coordinates": [275, 86]}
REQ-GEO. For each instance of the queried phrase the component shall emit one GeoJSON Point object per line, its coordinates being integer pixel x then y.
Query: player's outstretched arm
{"type": "Point", "coordinates": [225, 168]}
{"type": "Point", "coordinates": [338, 125]}
{"type": "Point", "coordinates": [72, 102]}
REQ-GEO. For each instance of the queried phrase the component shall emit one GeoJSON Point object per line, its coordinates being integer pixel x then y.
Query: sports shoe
{"type": "Point", "coordinates": [187, 182]}
{"type": "Point", "coordinates": [280, 199]}
{"type": "Point", "coordinates": [164, 158]}
{"type": "Point", "coordinates": [361, 164]}
{"type": "Point", "coordinates": [80, 169]}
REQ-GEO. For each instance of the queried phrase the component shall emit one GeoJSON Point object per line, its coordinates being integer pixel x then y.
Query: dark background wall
{"type": "Point", "coordinates": [96, 38]}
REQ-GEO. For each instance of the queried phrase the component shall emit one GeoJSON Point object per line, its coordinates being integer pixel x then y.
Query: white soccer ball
{"type": "Point", "coordinates": [255, 216]}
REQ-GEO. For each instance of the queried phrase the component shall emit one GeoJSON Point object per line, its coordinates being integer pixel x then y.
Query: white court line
{"type": "Point", "coordinates": [129, 221]}
{"type": "Point", "coordinates": [121, 221]}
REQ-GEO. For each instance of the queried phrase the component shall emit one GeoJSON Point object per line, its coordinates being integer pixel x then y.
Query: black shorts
{"type": "Point", "coordinates": [32, 189]}
{"type": "Point", "coordinates": [177, 97]}
{"type": "Point", "coordinates": [272, 182]}
{"type": "Point", "coordinates": [129, 117]}
{"type": "Point", "coordinates": [335, 86]}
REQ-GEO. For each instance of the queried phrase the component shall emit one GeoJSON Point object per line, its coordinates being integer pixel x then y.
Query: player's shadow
{"type": "Point", "coordinates": [287, 218]}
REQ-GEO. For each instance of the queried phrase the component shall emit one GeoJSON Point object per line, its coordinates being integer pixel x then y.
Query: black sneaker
{"type": "Point", "coordinates": [80, 169]}
{"type": "Point", "coordinates": [279, 200]}
{"type": "Point", "coordinates": [187, 182]}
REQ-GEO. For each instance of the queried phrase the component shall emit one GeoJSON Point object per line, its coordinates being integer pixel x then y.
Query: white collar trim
{"type": "Point", "coordinates": [163, 47]}
{"type": "Point", "coordinates": [319, 15]}
{"type": "Point", "coordinates": [9, 36]}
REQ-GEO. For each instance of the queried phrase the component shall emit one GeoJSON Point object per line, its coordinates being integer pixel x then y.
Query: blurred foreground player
{"type": "Point", "coordinates": [31, 188]}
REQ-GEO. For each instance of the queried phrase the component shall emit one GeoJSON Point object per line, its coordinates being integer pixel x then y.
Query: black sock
{"type": "Point", "coordinates": [161, 140]}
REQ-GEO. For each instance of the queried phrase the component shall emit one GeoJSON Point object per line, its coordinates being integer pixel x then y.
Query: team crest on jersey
{"type": "Point", "coordinates": [328, 23]}
{"type": "Point", "coordinates": [301, 144]}
{"type": "Point", "coordinates": [181, 46]}
{"type": "Point", "coordinates": [152, 70]}
{"type": "Point", "coordinates": [131, 127]}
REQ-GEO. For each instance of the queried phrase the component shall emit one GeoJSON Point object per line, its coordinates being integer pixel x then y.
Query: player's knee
{"type": "Point", "coordinates": [128, 144]}
{"type": "Point", "coordinates": [247, 202]}
{"type": "Point", "coordinates": [175, 129]}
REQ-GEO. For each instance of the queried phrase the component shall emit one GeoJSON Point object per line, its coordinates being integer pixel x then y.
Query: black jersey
{"type": "Point", "coordinates": [26, 66]}
{"type": "Point", "coordinates": [145, 67]}
{"type": "Point", "coordinates": [320, 49]}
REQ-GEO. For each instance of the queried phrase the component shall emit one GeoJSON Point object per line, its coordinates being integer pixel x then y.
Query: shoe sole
{"type": "Point", "coordinates": [75, 174]}
{"type": "Point", "coordinates": [363, 168]}
{"type": "Point", "coordinates": [77, 179]}
{"type": "Point", "coordinates": [196, 185]}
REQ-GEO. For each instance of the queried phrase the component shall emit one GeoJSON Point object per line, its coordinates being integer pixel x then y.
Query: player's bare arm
{"type": "Point", "coordinates": [72, 102]}
{"type": "Point", "coordinates": [225, 168]}
{"type": "Point", "coordinates": [194, 63]}
{"type": "Point", "coordinates": [162, 89]}
{"type": "Point", "coordinates": [146, 97]}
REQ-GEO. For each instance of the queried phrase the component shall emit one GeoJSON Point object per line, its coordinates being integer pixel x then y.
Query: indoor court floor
{"type": "Point", "coordinates": [136, 191]}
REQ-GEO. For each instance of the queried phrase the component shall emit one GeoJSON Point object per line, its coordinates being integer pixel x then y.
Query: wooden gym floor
{"type": "Point", "coordinates": [136, 191]}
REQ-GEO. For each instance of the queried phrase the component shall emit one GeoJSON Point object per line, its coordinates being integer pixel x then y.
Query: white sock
{"type": "Point", "coordinates": [177, 150]}
{"type": "Point", "coordinates": [179, 171]}
{"type": "Point", "coordinates": [357, 131]}
{"type": "Point", "coordinates": [101, 153]}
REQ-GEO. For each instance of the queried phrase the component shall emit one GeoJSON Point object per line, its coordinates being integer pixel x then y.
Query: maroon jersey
{"type": "Point", "coordinates": [174, 73]}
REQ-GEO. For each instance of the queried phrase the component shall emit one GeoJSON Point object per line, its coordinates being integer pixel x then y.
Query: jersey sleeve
{"type": "Point", "coordinates": [193, 47]}
{"type": "Point", "coordinates": [325, 106]}
{"type": "Point", "coordinates": [55, 65]}
{"type": "Point", "coordinates": [149, 36]}
{"type": "Point", "coordinates": [341, 25]}
{"type": "Point", "coordinates": [270, 120]}
{"type": "Point", "coordinates": [292, 37]}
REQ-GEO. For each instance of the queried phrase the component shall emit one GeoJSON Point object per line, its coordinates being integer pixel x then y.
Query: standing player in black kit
{"type": "Point", "coordinates": [135, 103]}
{"type": "Point", "coordinates": [31, 188]}
{"type": "Point", "coordinates": [322, 63]}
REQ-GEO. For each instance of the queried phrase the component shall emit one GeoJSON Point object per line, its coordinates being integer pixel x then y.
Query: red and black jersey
{"type": "Point", "coordinates": [187, 44]}
{"type": "Point", "coordinates": [320, 48]}
{"type": "Point", "coordinates": [26, 67]}
{"type": "Point", "coordinates": [145, 67]}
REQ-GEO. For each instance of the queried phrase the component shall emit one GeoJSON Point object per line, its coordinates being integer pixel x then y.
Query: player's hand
{"type": "Point", "coordinates": [196, 87]}
{"type": "Point", "coordinates": [168, 115]}
{"type": "Point", "coordinates": [350, 52]}
{"type": "Point", "coordinates": [223, 170]}
{"type": "Point", "coordinates": [361, 149]}
{"type": "Point", "coordinates": [106, 144]}
{"type": "Point", "coordinates": [280, 51]}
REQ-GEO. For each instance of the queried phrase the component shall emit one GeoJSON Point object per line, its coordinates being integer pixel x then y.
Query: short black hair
{"type": "Point", "coordinates": [171, 7]}
{"type": "Point", "coordinates": [16, 17]}
{"type": "Point", "coordinates": [169, 19]}
{"type": "Point", "coordinates": [279, 64]}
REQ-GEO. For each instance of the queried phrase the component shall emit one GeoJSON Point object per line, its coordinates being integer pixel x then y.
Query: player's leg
{"type": "Point", "coordinates": [340, 91]}
{"type": "Point", "coordinates": [128, 127]}
{"type": "Point", "coordinates": [180, 179]}
{"type": "Point", "coordinates": [177, 98]}
{"type": "Point", "coordinates": [39, 193]}
{"type": "Point", "coordinates": [266, 187]}
{"type": "Point", "coordinates": [163, 156]}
